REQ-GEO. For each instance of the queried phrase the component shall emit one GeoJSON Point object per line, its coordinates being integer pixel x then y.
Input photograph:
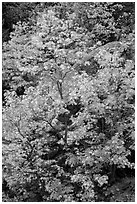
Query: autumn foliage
{"type": "Point", "coordinates": [68, 116]}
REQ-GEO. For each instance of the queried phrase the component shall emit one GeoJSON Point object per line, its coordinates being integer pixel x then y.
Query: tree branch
{"type": "Point", "coordinates": [59, 85]}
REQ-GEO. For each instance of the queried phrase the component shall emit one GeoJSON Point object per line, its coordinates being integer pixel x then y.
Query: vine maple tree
{"type": "Point", "coordinates": [64, 138]}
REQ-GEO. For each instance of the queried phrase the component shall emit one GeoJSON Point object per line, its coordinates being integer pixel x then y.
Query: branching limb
{"type": "Point", "coordinates": [59, 85]}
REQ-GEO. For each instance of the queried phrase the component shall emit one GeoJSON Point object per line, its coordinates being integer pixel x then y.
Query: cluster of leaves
{"type": "Point", "coordinates": [106, 22]}
{"type": "Point", "coordinates": [13, 12]}
{"type": "Point", "coordinates": [64, 139]}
